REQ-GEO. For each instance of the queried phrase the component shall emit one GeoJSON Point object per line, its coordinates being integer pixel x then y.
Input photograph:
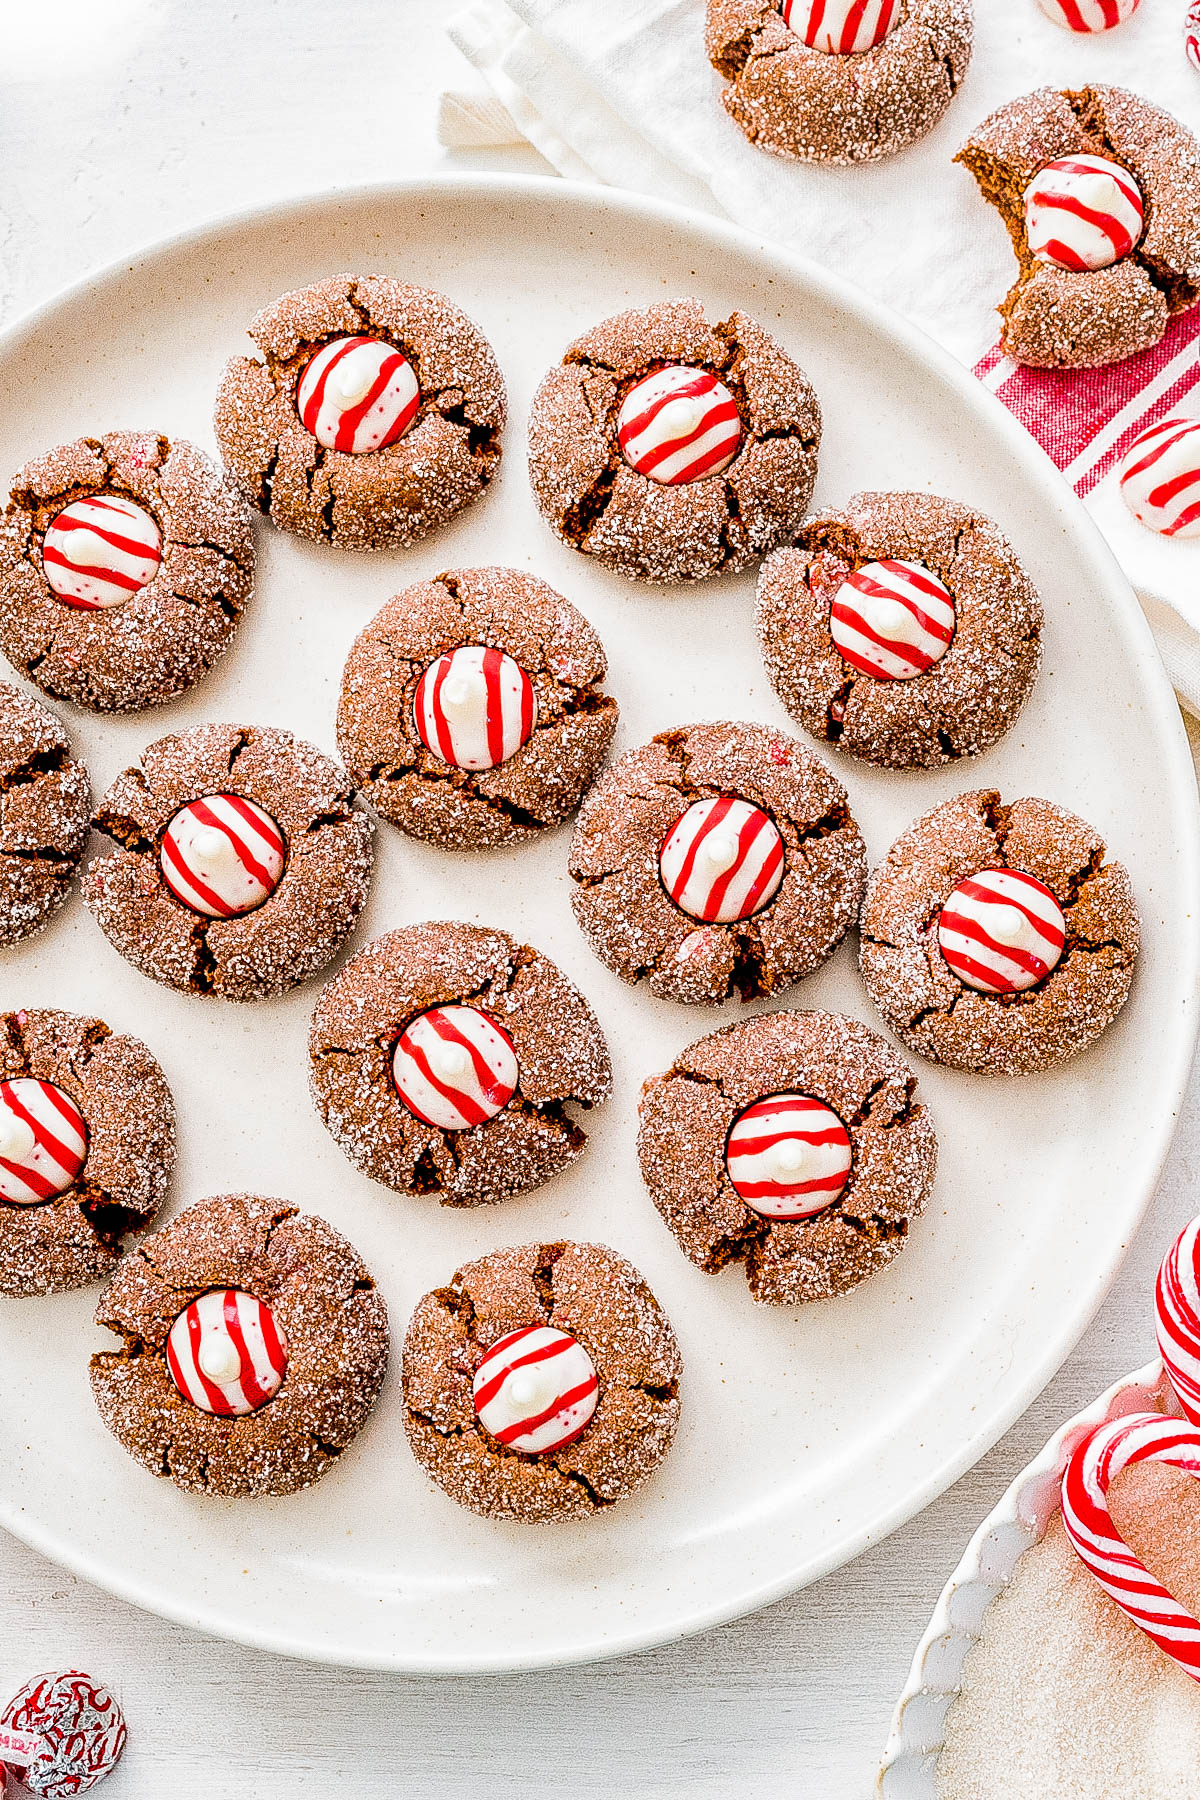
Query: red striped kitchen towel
{"type": "Point", "coordinates": [1086, 419]}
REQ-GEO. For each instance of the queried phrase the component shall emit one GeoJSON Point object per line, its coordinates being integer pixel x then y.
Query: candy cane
{"type": "Point", "coordinates": [1177, 1320]}
{"type": "Point", "coordinates": [1191, 34]}
{"type": "Point", "coordinates": [1095, 1464]}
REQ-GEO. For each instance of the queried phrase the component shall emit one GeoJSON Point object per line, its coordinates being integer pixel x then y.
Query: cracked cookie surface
{"type": "Point", "coordinates": [645, 529]}
{"type": "Point", "coordinates": [542, 783]}
{"type": "Point", "coordinates": [969, 698]}
{"type": "Point", "coordinates": [561, 1055]}
{"type": "Point", "coordinates": [821, 108]}
{"type": "Point", "coordinates": [920, 997]}
{"type": "Point", "coordinates": [598, 1297]}
{"type": "Point", "coordinates": [76, 1237]}
{"type": "Point", "coordinates": [1064, 318]}
{"type": "Point", "coordinates": [391, 496]}
{"type": "Point", "coordinates": [639, 932]}
{"type": "Point", "coordinates": [333, 1318]}
{"type": "Point", "coordinates": [687, 1113]}
{"type": "Point", "coordinates": [45, 812]}
{"type": "Point", "coordinates": [160, 641]}
{"type": "Point", "coordinates": [294, 933]}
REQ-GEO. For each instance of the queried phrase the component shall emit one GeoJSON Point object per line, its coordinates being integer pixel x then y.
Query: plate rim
{"type": "Point", "coordinates": [1179, 780]}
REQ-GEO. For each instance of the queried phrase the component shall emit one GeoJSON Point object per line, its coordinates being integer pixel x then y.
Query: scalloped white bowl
{"type": "Point", "coordinates": [1020, 1520]}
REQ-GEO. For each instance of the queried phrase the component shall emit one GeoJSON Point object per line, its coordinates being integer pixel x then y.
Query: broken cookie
{"type": "Point", "coordinates": [444, 1058]}
{"type": "Point", "coordinates": [125, 564]}
{"type": "Point", "coordinates": [997, 938]}
{"type": "Point", "coordinates": [542, 1383]}
{"type": "Point", "coordinates": [793, 1144]}
{"type": "Point", "coordinates": [671, 449]}
{"type": "Point", "coordinates": [255, 1345]}
{"type": "Point", "coordinates": [471, 712]}
{"type": "Point", "coordinates": [241, 861]}
{"type": "Point", "coordinates": [45, 811]}
{"type": "Point", "coordinates": [373, 416]}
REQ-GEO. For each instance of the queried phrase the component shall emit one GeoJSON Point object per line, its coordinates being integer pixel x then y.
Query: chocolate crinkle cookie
{"type": "Point", "coordinates": [255, 1343]}
{"type": "Point", "coordinates": [373, 416]}
{"type": "Point", "coordinates": [125, 563]}
{"type": "Point", "coordinates": [1100, 191]}
{"type": "Point", "coordinates": [471, 712]}
{"type": "Point", "coordinates": [901, 629]}
{"type": "Point", "coordinates": [45, 810]}
{"type": "Point", "coordinates": [716, 859]}
{"type": "Point", "coordinates": [444, 1058]}
{"type": "Point", "coordinates": [241, 861]}
{"type": "Point", "coordinates": [542, 1383]}
{"type": "Point", "coordinates": [838, 81]}
{"type": "Point", "coordinates": [671, 449]}
{"type": "Point", "coordinates": [998, 938]}
{"type": "Point", "coordinates": [87, 1144]}
{"type": "Point", "coordinates": [793, 1144]}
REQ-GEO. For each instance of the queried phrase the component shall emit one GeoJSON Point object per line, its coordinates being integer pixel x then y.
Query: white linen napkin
{"type": "Point", "coordinates": [620, 91]}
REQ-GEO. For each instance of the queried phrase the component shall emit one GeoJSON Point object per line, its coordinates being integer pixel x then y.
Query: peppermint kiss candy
{"type": "Point", "coordinates": [474, 707]}
{"type": "Point", "coordinates": [678, 425]}
{"type": "Point", "coordinates": [99, 551]}
{"type": "Point", "coordinates": [1191, 34]}
{"type": "Point", "coordinates": [892, 620]}
{"type": "Point", "coordinates": [222, 855]}
{"type": "Point", "coordinates": [358, 394]}
{"type": "Point", "coordinates": [788, 1157]}
{"type": "Point", "coordinates": [536, 1389]}
{"type": "Point", "coordinates": [1083, 212]}
{"type": "Point", "coordinates": [1160, 478]}
{"type": "Point", "coordinates": [1001, 931]}
{"type": "Point", "coordinates": [1095, 1464]}
{"type": "Point", "coordinates": [721, 860]}
{"type": "Point", "coordinates": [43, 1141]}
{"type": "Point", "coordinates": [454, 1067]}
{"type": "Point", "coordinates": [1177, 1309]}
{"type": "Point", "coordinates": [841, 27]}
{"type": "Point", "coordinates": [1088, 15]}
{"type": "Point", "coordinates": [226, 1353]}
{"type": "Point", "coordinates": [77, 1732]}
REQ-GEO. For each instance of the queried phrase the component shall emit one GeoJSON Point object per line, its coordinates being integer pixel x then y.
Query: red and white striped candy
{"type": "Point", "coordinates": [43, 1141]}
{"type": "Point", "coordinates": [1083, 212]}
{"type": "Point", "coordinates": [1001, 931]}
{"type": "Point", "coordinates": [1160, 478]}
{"type": "Point", "coordinates": [1095, 1464]}
{"type": "Point", "coordinates": [227, 1354]}
{"type": "Point", "coordinates": [892, 620]}
{"type": "Point", "coordinates": [222, 855]}
{"type": "Point", "coordinates": [474, 707]}
{"type": "Point", "coordinates": [722, 860]}
{"type": "Point", "coordinates": [1089, 15]}
{"type": "Point", "coordinates": [1177, 1310]}
{"type": "Point", "coordinates": [100, 551]}
{"type": "Point", "coordinates": [841, 26]}
{"type": "Point", "coordinates": [1191, 34]}
{"type": "Point", "coordinates": [454, 1067]}
{"type": "Point", "coordinates": [358, 394]}
{"type": "Point", "coordinates": [678, 425]}
{"type": "Point", "coordinates": [788, 1156]}
{"type": "Point", "coordinates": [64, 1732]}
{"type": "Point", "coordinates": [536, 1389]}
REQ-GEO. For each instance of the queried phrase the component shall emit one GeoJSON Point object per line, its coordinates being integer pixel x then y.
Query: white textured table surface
{"type": "Point", "coordinates": [122, 120]}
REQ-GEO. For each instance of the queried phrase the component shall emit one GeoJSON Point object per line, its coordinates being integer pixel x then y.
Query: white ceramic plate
{"type": "Point", "coordinates": [807, 1434]}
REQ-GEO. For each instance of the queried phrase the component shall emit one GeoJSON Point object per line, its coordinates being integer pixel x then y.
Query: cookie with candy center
{"type": "Point", "coordinates": [73, 1734]}
{"type": "Point", "coordinates": [892, 619]}
{"type": "Point", "coordinates": [1089, 15]}
{"type": "Point", "coordinates": [842, 27]}
{"type": "Point", "coordinates": [222, 855]}
{"type": "Point", "coordinates": [1083, 212]}
{"type": "Point", "coordinates": [454, 1067]}
{"type": "Point", "coordinates": [100, 550]}
{"type": "Point", "coordinates": [535, 1390]}
{"type": "Point", "coordinates": [1001, 931]}
{"type": "Point", "coordinates": [227, 1353]}
{"type": "Point", "coordinates": [722, 860]}
{"type": "Point", "coordinates": [788, 1156]}
{"type": "Point", "coordinates": [474, 707]}
{"type": "Point", "coordinates": [679, 425]}
{"type": "Point", "coordinates": [358, 394]}
{"type": "Point", "coordinates": [43, 1141]}
{"type": "Point", "coordinates": [1160, 477]}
